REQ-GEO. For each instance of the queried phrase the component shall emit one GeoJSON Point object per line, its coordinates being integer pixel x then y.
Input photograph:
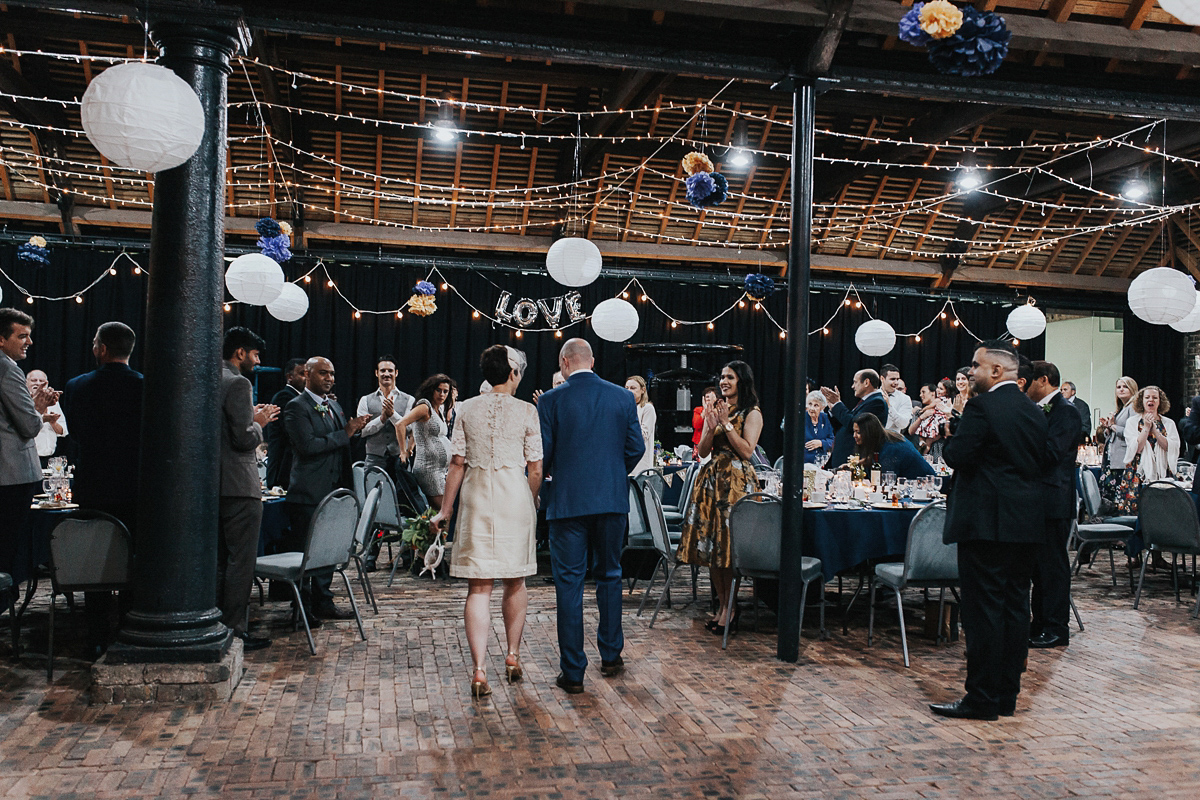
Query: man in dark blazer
{"type": "Point", "coordinates": [590, 440]}
{"type": "Point", "coordinates": [279, 449]}
{"type": "Point", "coordinates": [995, 514]}
{"type": "Point", "coordinates": [240, 509]}
{"type": "Point", "coordinates": [1051, 602]}
{"type": "Point", "coordinates": [320, 437]}
{"type": "Point", "coordinates": [867, 388]}
{"type": "Point", "coordinates": [1085, 411]}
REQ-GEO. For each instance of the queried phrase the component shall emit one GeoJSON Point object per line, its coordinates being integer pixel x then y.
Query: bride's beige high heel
{"type": "Point", "coordinates": [512, 667]}
{"type": "Point", "coordinates": [480, 688]}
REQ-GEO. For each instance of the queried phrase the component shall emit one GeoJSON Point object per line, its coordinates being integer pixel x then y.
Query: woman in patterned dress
{"type": "Point", "coordinates": [496, 472]}
{"type": "Point", "coordinates": [731, 430]}
{"type": "Point", "coordinates": [432, 437]}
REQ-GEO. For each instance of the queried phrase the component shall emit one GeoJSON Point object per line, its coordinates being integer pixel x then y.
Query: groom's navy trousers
{"type": "Point", "coordinates": [570, 541]}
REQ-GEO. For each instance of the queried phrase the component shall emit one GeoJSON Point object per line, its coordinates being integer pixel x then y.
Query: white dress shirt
{"type": "Point", "coordinates": [47, 439]}
{"type": "Point", "coordinates": [900, 412]}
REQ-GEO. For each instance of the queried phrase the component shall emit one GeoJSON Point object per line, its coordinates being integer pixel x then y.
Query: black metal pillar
{"type": "Point", "coordinates": [174, 617]}
{"type": "Point", "coordinates": [804, 123]}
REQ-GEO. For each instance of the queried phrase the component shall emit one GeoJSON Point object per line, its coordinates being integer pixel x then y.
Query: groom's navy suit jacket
{"type": "Point", "coordinates": [590, 440]}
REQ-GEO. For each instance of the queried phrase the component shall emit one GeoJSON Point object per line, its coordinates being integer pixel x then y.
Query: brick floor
{"type": "Point", "coordinates": [1115, 715]}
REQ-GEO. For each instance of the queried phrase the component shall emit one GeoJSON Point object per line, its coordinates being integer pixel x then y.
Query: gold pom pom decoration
{"type": "Point", "coordinates": [286, 228]}
{"type": "Point", "coordinates": [37, 241]}
{"type": "Point", "coordinates": [422, 305]}
{"type": "Point", "coordinates": [696, 161]}
{"type": "Point", "coordinates": [941, 18]}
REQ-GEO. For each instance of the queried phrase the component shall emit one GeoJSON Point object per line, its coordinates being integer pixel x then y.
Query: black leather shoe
{"type": "Point", "coordinates": [961, 709]}
{"type": "Point", "coordinates": [570, 687]}
{"type": "Point", "coordinates": [1007, 708]}
{"type": "Point", "coordinates": [251, 642]}
{"type": "Point", "coordinates": [1048, 640]}
{"type": "Point", "coordinates": [314, 621]}
{"type": "Point", "coordinates": [330, 611]}
{"type": "Point", "coordinates": [370, 566]}
{"type": "Point", "coordinates": [611, 669]}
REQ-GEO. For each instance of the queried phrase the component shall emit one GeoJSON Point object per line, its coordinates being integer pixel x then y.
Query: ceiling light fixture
{"type": "Point", "coordinates": [1135, 189]}
{"type": "Point", "coordinates": [445, 130]}
{"type": "Point", "coordinates": [739, 147]}
{"type": "Point", "coordinates": [969, 180]}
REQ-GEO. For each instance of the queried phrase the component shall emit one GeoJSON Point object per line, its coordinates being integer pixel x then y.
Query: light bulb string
{"type": "Point", "coordinates": [73, 295]}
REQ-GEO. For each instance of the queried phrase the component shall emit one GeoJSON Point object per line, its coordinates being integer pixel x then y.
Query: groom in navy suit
{"type": "Point", "coordinates": [590, 440]}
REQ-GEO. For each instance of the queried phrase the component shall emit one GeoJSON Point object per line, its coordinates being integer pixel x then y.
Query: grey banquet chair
{"type": "Point", "coordinates": [638, 540]}
{"type": "Point", "coordinates": [363, 531]}
{"type": "Point", "coordinates": [928, 564]}
{"type": "Point", "coordinates": [327, 546]}
{"type": "Point", "coordinates": [388, 521]}
{"type": "Point", "coordinates": [359, 472]}
{"type": "Point", "coordinates": [1169, 525]}
{"type": "Point", "coordinates": [667, 562]}
{"type": "Point", "coordinates": [6, 589]}
{"type": "Point", "coordinates": [89, 552]}
{"type": "Point", "coordinates": [1106, 533]}
{"type": "Point", "coordinates": [756, 533]}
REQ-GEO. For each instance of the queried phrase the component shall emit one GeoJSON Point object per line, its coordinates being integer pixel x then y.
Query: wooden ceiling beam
{"type": "Point", "coordinates": [1137, 257]}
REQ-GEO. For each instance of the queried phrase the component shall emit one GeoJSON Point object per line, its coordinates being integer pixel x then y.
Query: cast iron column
{"type": "Point", "coordinates": [790, 586]}
{"type": "Point", "coordinates": [174, 617]}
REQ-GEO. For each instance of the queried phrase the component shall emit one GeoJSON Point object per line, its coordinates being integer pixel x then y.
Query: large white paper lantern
{"type": "Point", "coordinates": [142, 116]}
{"type": "Point", "coordinates": [875, 338]}
{"type": "Point", "coordinates": [1190, 323]}
{"type": "Point", "coordinates": [254, 279]}
{"type": "Point", "coordinates": [1186, 11]}
{"type": "Point", "coordinates": [573, 261]}
{"type": "Point", "coordinates": [1162, 295]}
{"type": "Point", "coordinates": [615, 320]}
{"type": "Point", "coordinates": [1026, 322]}
{"type": "Point", "coordinates": [291, 305]}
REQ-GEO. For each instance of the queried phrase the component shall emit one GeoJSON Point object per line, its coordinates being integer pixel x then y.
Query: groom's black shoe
{"type": "Point", "coordinates": [611, 669]}
{"type": "Point", "coordinates": [570, 687]}
{"type": "Point", "coordinates": [963, 709]}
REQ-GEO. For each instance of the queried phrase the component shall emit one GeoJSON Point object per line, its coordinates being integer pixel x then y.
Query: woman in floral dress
{"type": "Point", "coordinates": [731, 430]}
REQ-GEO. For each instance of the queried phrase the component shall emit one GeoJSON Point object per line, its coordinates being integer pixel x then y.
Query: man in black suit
{"type": "Point", "coordinates": [1085, 411]}
{"type": "Point", "coordinates": [1051, 604]}
{"type": "Point", "coordinates": [279, 449]}
{"type": "Point", "coordinates": [995, 516]}
{"type": "Point", "coordinates": [320, 437]}
{"type": "Point", "coordinates": [103, 410]}
{"type": "Point", "coordinates": [867, 388]}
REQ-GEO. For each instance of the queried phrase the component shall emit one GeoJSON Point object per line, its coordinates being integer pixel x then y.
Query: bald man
{"type": "Point", "coordinates": [53, 424]}
{"type": "Point", "coordinates": [320, 435]}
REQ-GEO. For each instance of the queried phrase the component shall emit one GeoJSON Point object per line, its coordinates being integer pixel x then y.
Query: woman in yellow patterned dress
{"type": "Point", "coordinates": [731, 430]}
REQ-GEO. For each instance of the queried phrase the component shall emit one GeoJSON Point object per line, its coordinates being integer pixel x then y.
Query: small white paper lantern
{"type": "Point", "coordinates": [1190, 323]}
{"type": "Point", "coordinates": [1161, 296]}
{"type": "Point", "coordinates": [254, 279]}
{"type": "Point", "coordinates": [573, 261]}
{"type": "Point", "coordinates": [291, 305]}
{"type": "Point", "coordinates": [142, 116]}
{"type": "Point", "coordinates": [1026, 322]}
{"type": "Point", "coordinates": [875, 338]}
{"type": "Point", "coordinates": [615, 320]}
{"type": "Point", "coordinates": [1186, 11]}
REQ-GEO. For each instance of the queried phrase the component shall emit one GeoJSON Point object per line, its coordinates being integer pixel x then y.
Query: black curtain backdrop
{"type": "Point", "coordinates": [451, 340]}
{"type": "Point", "coordinates": [1153, 355]}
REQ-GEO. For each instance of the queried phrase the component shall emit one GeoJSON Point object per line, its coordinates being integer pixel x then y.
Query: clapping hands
{"type": "Point", "coordinates": [265, 413]}
{"type": "Point", "coordinates": [44, 397]}
{"type": "Point", "coordinates": [356, 424]}
{"type": "Point", "coordinates": [832, 396]}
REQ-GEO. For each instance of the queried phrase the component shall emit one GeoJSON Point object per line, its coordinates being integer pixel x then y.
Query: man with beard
{"type": "Point", "coordinates": [240, 512]}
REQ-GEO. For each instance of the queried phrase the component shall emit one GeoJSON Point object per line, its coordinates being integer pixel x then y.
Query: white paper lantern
{"type": "Point", "coordinates": [1162, 295]}
{"type": "Point", "coordinates": [615, 320]}
{"type": "Point", "coordinates": [1026, 322]}
{"type": "Point", "coordinates": [875, 338]}
{"type": "Point", "coordinates": [574, 261]}
{"type": "Point", "coordinates": [142, 116]}
{"type": "Point", "coordinates": [254, 279]}
{"type": "Point", "coordinates": [291, 305]}
{"type": "Point", "coordinates": [1186, 11]}
{"type": "Point", "coordinates": [1190, 323]}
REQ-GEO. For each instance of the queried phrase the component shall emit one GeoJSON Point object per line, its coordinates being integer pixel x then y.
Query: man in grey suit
{"type": "Point", "coordinates": [20, 421]}
{"type": "Point", "coordinates": [240, 511]}
{"type": "Point", "coordinates": [320, 435]}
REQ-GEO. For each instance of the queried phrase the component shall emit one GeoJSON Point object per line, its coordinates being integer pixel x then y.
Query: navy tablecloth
{"type": "Point", "coordinates": [844, 539]}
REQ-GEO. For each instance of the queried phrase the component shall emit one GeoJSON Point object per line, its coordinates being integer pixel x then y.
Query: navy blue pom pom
{"type": "Point", "coordinates": [978, 48]}
{"type": "Point", "coordinates": [267, 228]}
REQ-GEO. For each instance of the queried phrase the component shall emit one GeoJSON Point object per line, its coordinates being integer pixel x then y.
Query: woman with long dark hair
{"type": "Point", "coordinates": [885, 450]}
{"type": "Point", "coordinates": [497, 463]}
{"type": "Point", "coordinates": [731, 430]}
{"type": "Point", "coordinates": [432, 436]}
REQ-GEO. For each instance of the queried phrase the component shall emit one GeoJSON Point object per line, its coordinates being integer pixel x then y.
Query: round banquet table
{"type": "Point", "coordinates": [845, 538]}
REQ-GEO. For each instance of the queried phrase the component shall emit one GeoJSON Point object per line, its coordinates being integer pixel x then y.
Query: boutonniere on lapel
{"type": "Point", "coordinates": [322, 408]}
{"type": "Point", "coordinates": [1046, 407]}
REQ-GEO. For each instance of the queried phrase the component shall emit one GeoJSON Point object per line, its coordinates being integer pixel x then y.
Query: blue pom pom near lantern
{"type": "Point", "coordinates": [720, 192]}
{"type": "Point", "coordinates": [910, 28]}
{"type": "Point", "coordinates": [758, 286]}
{"type": "Point", "coordinates": [978, 48]}
{"type": "Point", "coordinates": [424, 287]}
{"type": "Point", "coordinates": [699, 187]}
{"type": "Point", "coordinates": [34, 253]}
{"type": "Point", "coordinates": [276, 247]}
{"type": "Point", "coordinates": [268, 228]}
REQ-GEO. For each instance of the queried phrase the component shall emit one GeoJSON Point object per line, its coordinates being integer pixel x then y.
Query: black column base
{"type": "Point", "coordinates": [171, 638]}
